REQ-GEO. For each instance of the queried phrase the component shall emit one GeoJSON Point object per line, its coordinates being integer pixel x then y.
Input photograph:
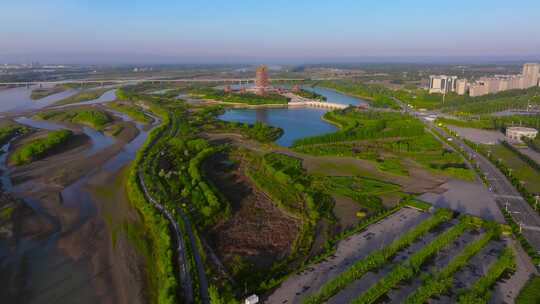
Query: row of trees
{"type": "Point", "coordinates": [377, 258]}
{"type": "Point", "coordinates": [412, 266]}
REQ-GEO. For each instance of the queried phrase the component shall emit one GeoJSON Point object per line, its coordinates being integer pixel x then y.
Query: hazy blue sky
{"type": "Point", "coordinates": [176, 30]}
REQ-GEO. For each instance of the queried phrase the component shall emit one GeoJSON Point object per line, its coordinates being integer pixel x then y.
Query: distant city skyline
{"type": "Point", "coordinates": [123, 31]}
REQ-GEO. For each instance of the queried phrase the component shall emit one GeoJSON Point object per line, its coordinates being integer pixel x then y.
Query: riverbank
{"type": "Point", "coordinates": [82, 254]}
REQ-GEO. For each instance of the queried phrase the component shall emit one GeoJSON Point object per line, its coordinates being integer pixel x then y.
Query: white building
{"type": "Point", "coordinates": [442, 84]}
{"type": "Point", "coordinates": [252, 299]}
{"type": "Point", "coordinates": [514, 134]}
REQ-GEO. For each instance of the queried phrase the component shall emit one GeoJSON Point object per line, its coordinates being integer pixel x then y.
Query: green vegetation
{"type": "Point", "coordinates": [365, 191]}
{"type": "Point", "coordinates": [480, 291]}
{"type": "Point", "coordinates": [206, 119]}
{"type": "Point", "coordinates": [516, 230]}
{"type": "Point", "coordinates": [310, 95]}
{"type": "Point", "coordinates": [533, 143]}
{"type": "Point", "coordinates": [440, 281]}
{"type": "Point", "coordinates": [243, 98]}
{"type": "Point", "coordinates": [418, 204]}
{"type": "Point", "coordinates": [421, 99]}
{"type": "Point", "coordinates": [464, 104]}
{"type": "Point", "coordinates": [377, 258]}
{"type": "Point", "coordinates": [386, 138]}
{"type": "Point", "coordinates": [44, 92]}
{"type": "Point", "coordinates": [10, 130]}
{"type": "Point", "coordinates": [411, 267]}
{"type": "Point", "coordinates": [492, 122]}
{"type": "Point", "coordinates": [94, 118]}
{"type": "Point", "coordinates": [83, 96]}
{"type": "Point", "coordinates": [39, 148]}
{"type": "Point", "coordinates": [6, 212]}
{"type": "Point", "coordinates": [378, 95]}
{"type": "Point", "coordinates": [530, 294]}
{"type": "Point", "coordinates": [527, 176]}
{"type": "Point", "coordinates": [130, 110]}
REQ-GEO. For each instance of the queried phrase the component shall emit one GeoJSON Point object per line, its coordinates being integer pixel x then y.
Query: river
{"type": "Point", "coordinates": [295, 122]}
{"type": "Point", "coordinates": [46, 273]}
{"type": "Point", "coordinates": [18, 99]}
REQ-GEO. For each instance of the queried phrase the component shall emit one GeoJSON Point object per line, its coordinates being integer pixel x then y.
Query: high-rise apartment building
{"type": "Point", "coordinates": [531, 73]}
{"type": "Point", "coordinates": [442, 84]}
{"type": "Point", "coordinates": [529, 77]}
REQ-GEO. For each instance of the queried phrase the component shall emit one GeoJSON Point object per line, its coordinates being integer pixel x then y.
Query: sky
{"type": "Point", "coordinates": [179, 31]}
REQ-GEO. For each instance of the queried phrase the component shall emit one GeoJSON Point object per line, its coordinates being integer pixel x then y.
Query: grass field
{"type": "Point", "coordinates": [530, 294]}
{"type": "Point", "coordinates": [391, 140]}
{"type": "Point", "coordinates": [529, 176]}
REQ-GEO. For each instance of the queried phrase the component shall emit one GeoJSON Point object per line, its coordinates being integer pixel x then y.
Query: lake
{"type": "Point", "coordinates": [295, 122]}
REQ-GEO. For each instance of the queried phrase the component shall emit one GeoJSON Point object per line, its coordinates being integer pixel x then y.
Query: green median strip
{"type": "Point", "coordinates": [409, 268]}
{"type": "Point", "coordinates": [377, 258]}
{"type": "Point", "coordinates": [480, 291]}
{"type": "Point", "coordinates": [441, 281]}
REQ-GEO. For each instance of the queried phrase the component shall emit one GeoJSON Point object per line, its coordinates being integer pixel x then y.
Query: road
{"type": "Point", "coordinates": [183, 263]}
{"type": "Point", "coordinates": [506, 195]}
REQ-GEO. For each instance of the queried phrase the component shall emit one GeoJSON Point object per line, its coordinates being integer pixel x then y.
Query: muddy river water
{"type": "Point", "coordinates": [45, 274]}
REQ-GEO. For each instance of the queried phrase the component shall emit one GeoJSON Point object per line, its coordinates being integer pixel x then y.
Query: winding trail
{"type": "Point", "coordinates": [183, 263]}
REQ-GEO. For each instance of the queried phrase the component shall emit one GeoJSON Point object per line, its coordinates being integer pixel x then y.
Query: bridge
{"type": "Point", "coordinates": [299, 101]}
{"type": "Point", "coordinates": [318, 104]}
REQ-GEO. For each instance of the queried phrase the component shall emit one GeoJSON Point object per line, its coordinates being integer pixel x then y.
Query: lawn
{"type": "Point", "coordinates": [530, 294]}
{"type": "Point", "coordinates": [529, 176]}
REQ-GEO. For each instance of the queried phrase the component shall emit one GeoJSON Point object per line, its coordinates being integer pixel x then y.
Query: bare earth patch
{"type": "Point", "coordinates": [257, 230]}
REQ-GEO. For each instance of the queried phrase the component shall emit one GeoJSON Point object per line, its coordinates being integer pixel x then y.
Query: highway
{"type": "Point", "coordinates": [506, 195]}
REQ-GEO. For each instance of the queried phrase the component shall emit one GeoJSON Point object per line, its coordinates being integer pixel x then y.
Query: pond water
{"type": "Point", "coordinates": [295, 122]}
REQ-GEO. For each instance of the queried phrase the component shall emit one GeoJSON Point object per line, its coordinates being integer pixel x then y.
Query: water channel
{"type": "Point", "coordinates": [49, 275]}
{"type": "Point", "coordinates": [18, 99]}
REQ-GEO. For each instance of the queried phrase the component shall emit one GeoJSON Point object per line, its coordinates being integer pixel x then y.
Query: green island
{"type": "Point", "coordinates": [9, 130]}
{"type": "Point", "coordinates": [94, 118]}
{"type": "Point", "coordinates": [240, 98]}
{"type": "Point", "coordinates": [39, 148]}
{"type": "Point", "coordinates": [44, 92]}
{"type": "Point", "coordinates": [85, 95]}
